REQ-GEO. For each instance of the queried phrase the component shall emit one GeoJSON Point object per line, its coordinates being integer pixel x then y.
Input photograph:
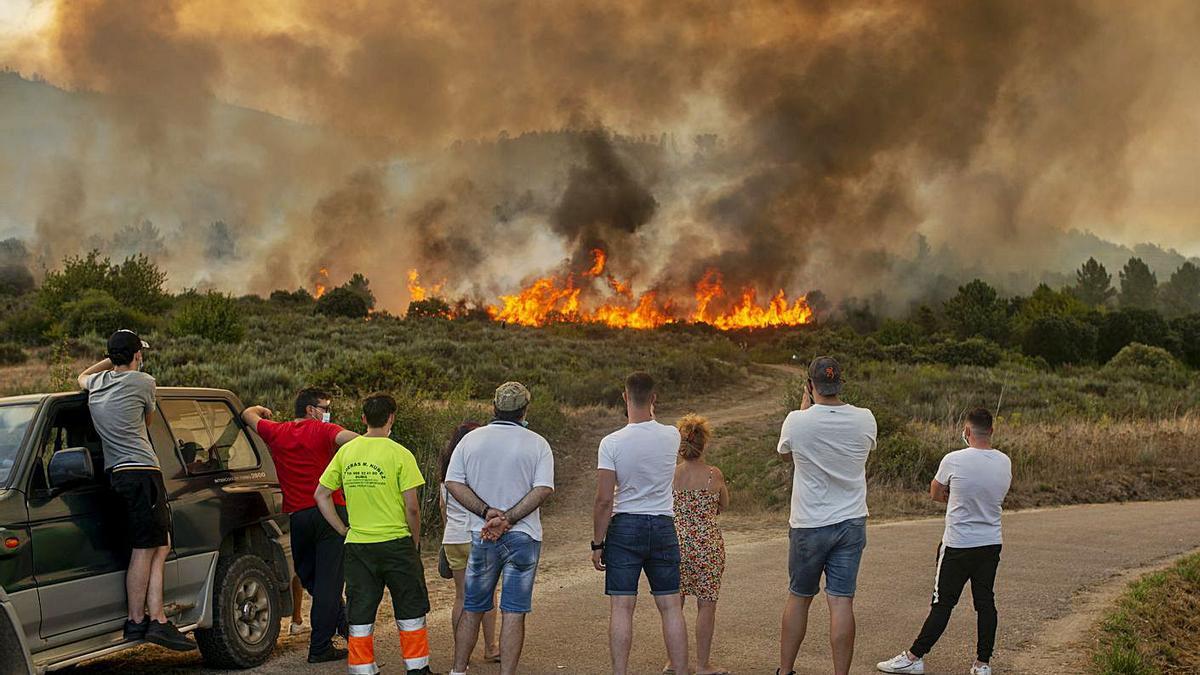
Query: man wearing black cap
{"type": "Point", "coordinates": [121, 400]}
{"type": "Point", "coordinates": [828, 440]}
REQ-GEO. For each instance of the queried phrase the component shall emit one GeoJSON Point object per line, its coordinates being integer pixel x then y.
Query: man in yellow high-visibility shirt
{"type": "Point", "coordinates": [380, 479]}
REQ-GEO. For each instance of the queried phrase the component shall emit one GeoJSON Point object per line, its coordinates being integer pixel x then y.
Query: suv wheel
{"type": "Point", "coordinates": [245, 614]}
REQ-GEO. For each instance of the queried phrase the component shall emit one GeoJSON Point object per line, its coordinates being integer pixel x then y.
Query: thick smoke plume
{"type": "Point", "coordinates": [788, 145]}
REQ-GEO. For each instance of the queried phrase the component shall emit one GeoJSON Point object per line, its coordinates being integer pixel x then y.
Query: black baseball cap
{"type": "Point", "coordinates": [826, 375]}
{"type": "Point", "coordinates": [123, 344]}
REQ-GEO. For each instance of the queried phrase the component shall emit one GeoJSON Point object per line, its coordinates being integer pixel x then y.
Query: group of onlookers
{"type": "Point", "coordinates": [356, 524]}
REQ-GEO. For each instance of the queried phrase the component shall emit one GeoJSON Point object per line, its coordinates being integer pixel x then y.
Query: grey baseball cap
{"type": "Point", "coordinates": [826, 375]}
{"type": "Point", "coordinates": [511, 396]}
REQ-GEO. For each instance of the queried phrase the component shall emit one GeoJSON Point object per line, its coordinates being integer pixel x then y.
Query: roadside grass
{"type": "Point", "coordinates": [1154, 626]}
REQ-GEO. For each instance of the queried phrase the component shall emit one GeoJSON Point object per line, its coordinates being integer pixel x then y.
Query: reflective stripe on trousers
{"type": "Point", "coordinates": [414, 642]}
{"type": "Point", "coordinates": [361, 644]}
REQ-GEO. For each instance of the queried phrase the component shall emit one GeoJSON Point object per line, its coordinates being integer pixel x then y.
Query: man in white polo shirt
{"type": "Point", "coordinates": [634, 524]}
{"type": "Point", "coordinates": [973, 482]}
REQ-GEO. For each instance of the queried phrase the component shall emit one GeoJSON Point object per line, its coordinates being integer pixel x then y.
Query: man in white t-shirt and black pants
{"type": "Point", "coordinates": [973, 482]}
{"type": "Point", "coordinates": [634, 524]}
{"type": "Point", "coordinates": [828, 440]}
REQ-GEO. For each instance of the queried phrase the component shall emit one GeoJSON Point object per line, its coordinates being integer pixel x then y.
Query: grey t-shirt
{"type": "Point", "coordinates": [119, 402]}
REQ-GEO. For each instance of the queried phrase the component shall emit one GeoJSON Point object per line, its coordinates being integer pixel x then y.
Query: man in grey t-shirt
{"type": "Point", "coordinates": [121, 402]}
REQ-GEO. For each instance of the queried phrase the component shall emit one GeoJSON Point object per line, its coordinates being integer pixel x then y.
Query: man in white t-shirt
{"type": "Point", "coordinates": [829, 441]}
{"type": "Point", "coordinates": [973, 482]}
{"type": "Point", "coordinates": [501, 474]}
{"type": "Point", "coordinates": [634, 524]}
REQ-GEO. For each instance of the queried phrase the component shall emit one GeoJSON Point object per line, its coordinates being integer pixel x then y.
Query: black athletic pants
{"type": "Point", "coordinates": [317, 557]}
{"type": "Point", "coordinates": [956, 566]}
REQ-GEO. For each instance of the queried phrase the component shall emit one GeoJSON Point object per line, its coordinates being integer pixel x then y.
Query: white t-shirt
{"type": "Point", "coordinates": [458, 521]}
{"type": "Point", "coordinates": [502, 462]}
{"type": "Point", "coordinates": [978, 481]}
{"type": "Point", "coordinates": [829, 445]}
{"type": "Point", "coordinates": [643, 457]}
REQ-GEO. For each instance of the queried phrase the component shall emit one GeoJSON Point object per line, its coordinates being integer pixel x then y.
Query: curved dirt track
{"type": "Point", "coordinates": [1051, 556]}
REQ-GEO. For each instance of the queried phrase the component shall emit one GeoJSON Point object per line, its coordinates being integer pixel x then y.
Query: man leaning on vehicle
{"type": "Point", "coordinates": [121, 401]}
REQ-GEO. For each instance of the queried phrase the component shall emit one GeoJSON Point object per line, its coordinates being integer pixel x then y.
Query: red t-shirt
{"type": "Point", "coordinates": [301, 450]}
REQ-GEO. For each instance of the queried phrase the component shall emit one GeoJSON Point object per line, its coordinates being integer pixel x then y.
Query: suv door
{"type": "Point", "coordinates": [79, 535]}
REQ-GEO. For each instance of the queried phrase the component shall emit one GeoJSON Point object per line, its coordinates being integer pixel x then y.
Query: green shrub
{"type": "Point", "coordinates": [1188, 330]}
{"type": "Point", "coordinates": [212, 316]}
{"type": "Point", "coordinates": [894, 332]}
{"type": "Point", "coordinates": [428, 308]}
{"type": "Point", "coordinates": [297, 298]}
{"type": "Point", "coordinates": [11, 354]}
{"type": "Point", "coordinates": [136, 283]}
{"type": "Point", "coordinates": [343, 302]}
{"type": "Point", "coordinates": [1117, 329]}
{"type": "Point", "coordinates": [969, 352]}
{"type": "Point", "coordinates": [98, 312]}
{"type": "Point", "coordinates": [15, 279]}
{"type": "Point", "coordinates": [903, 460]}
{"type": "Point", "coordinates": [27, 325]}
{"type": "Point", "coordinates": [1147, 364]}
{"type": "Point", "coordinates": [977, 310]}
{"type": "Point", "coordinates": [1059, 340]}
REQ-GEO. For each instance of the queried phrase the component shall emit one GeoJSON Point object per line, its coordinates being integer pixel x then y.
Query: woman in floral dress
{"type": "Point", "coordinates": [700, 494]}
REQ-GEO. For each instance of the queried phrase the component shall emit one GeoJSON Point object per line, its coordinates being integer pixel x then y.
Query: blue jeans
{"type": "Point", "coordinates": [836, 550]}
{"type": "Point", "coordinates": [638, 542]}
{"type": "Point", "coordinates": [515, 557]}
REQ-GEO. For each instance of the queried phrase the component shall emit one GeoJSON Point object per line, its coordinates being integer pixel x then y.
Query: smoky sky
{"type": "Point", "coordinates": [787, 145]}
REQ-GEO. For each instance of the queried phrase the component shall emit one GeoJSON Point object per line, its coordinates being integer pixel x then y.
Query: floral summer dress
{"type": "Point", "coordinates": [701, 547]}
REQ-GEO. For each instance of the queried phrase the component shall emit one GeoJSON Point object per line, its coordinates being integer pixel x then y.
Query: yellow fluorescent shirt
{"type": "Point", "coordinates": [374, 473]}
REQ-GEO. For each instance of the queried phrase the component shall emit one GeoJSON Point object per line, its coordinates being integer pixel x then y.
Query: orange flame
{"type": "Point", "coordinates": [322, 283]}
{"type": "Point", "coordinates": [417, 292]}
{"type": "Point", "coordinates": [599, 257]}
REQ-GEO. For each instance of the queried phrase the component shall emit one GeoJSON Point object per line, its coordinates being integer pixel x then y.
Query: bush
{"type": "Point", "coordinates": [1188, 330]}
{"type": "Point", "coordinates": [27, 325]}
{"type": "Point", "coordinates": [1118, 329]}
{"type": "Point", "coordinates": [15, 279]}
{"type": "Point", "coordinates": [342, 301]}
{"type": "Point", "coordinates": [1148, 364]}
{"type": "Point", "coordinates": [1059, 340]}
{"type": "Point", "coordinates": [136, 283]}
{"type": "Point", "coordinates": [212, 316]}
{"type": "Point", "coordinates": [298, 297]}
{"type": "Point", "coordinates": [977, 310]}
{"type": "Point", "coordinates": [98, 312]}
{"type": "Point", "coordinates": [428, 308]}
{"type": "Point", "coordinates": [11, 354]}
{"type": "Point", "coordinates": [969, 352]}
{"type": "Point", "coordinates": [894, 332]}
{"type": "Point", "coordinates": [902, 460]}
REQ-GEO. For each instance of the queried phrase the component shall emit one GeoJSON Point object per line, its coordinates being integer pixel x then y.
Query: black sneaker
{"type": "Point", "coordinates": [331, 654]}
{"type": "Point", "coordinates": [136, 630]}
{"type": "Point", "coordinates": [167, 635]}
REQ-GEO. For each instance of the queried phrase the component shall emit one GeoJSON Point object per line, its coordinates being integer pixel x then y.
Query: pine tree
{"type": "Point", "coordinates": [1139, 285]}
{"type": "Point", "coordinates": [1093, 284]}
{"type": "Point", "coordinates": [1181, 294]}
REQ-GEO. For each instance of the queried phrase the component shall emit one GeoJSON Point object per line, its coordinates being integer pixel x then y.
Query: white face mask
{"type": "Point", "coordinates": [325, 417]}
{"type": "Point", "coordinates": [964, 437]}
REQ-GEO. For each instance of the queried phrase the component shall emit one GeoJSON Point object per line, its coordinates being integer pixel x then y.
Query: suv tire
{"type": "Point", "coordinates": [245, 614]}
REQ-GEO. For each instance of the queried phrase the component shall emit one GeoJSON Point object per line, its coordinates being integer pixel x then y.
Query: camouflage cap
{"type": "Point", "coordinates": [511, 396]}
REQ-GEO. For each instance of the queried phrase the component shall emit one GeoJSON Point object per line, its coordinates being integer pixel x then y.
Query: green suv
{"type": "Point", "coordinates": [64, 546]}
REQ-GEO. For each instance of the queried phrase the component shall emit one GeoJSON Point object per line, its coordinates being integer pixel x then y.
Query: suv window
{"type": "Point", "coordinates": [14, 420]}
{"type": "Point", "coordinates": [207, 436]}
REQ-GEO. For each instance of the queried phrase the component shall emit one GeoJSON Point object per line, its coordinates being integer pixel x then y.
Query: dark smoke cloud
{"type": "Point", "coordinates": [788, 145]}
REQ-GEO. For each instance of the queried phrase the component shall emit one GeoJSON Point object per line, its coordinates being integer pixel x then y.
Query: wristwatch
{"type": "Point", "coordinates": [597, 547]}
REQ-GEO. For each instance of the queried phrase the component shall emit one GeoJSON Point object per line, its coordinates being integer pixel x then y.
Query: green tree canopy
{"type": "Point", "coordinates": [360, 286]}
{"type": "Point", "coordinates": [1093, 284]}
{"type": "Point", "coordinates": [136, 283]}
{"type": "Point", "coordinates": [977, 310]}
{"type": "Point", "coordinates": [1181, 294]}
{"type": "Point", "coordinates": [342, 301]}
{"type": "Point", "coordinates": [1138, 285]}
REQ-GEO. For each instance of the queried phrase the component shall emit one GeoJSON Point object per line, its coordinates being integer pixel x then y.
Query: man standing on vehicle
{"type": "Point", "coordinates": [380, 478]}
{"type": "Point", "coordinates": [121, 400]}
{"type": "Point", "coordinates": [501, 474]}
{"type": "Point", "coordinates": [301, 449]}
{"type": "Point", "coordinates": [828, 440]}
{"type": "Point", "coordinates": [633, 522]}
{"type": "Point", "coordinates": [973, 483]}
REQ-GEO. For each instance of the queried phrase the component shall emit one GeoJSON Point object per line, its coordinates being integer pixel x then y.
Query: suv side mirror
{"type": "Point", "coordinates": [70, 467]}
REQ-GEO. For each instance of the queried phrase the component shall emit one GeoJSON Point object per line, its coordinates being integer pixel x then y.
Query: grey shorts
{"type": "Point", "coordinates": [833, 550]}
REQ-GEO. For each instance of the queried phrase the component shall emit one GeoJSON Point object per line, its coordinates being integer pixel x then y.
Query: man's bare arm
{"type": "Point", "coordinates": [412, 510]}
{"type": "Point", "coordinates": [606, 484]}
{"type": "Point", "coordinates": [939, 492]}
{"type": "Point", "coordinates": [324, 499]}
{"type": "Point", "coordinates": [467, 497]}
{"type": "Point", "coordinates": [99, 366]}
{"type": "Point", "coordinates": [255, 414]}
{"type": "Point", "coordinates": [528, 504]}
{"type": "Point", "coordinates": [344, 436]}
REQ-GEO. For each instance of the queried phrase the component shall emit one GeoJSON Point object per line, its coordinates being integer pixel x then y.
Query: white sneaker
{"type": "Point", "coordinates": [298, 629]}
{"type": "Point", "coordinates": [984, 669]}
{"type": "Point", "coordinates": [902, 664]}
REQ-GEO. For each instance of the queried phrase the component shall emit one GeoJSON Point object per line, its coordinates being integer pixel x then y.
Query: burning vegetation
{"type": "Point", "coordinates": [597, 296]}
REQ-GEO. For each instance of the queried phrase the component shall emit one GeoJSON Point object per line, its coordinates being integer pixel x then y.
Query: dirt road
{"type": "Point", "coordinates": [1050, 557]}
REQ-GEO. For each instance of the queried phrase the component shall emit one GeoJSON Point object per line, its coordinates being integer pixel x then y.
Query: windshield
{"type": "Point", "coordinates": [14, 420]}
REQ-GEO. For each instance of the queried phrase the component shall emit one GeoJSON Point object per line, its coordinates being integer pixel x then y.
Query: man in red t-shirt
{"type": "Point", "coordinates": [301, 449]}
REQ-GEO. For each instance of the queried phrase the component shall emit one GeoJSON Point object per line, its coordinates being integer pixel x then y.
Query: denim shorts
{"type": "Point", "coordinates": [640, 542]}
{"type": "Point", "coordinates": [515, 557]}
{"type": "Point", "coordinates": [835, 550]}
